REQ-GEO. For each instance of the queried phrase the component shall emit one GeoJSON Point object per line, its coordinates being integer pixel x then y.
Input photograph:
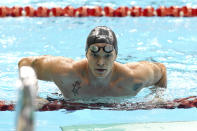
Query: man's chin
{"type": "Point", "coordinates": [100, 75]}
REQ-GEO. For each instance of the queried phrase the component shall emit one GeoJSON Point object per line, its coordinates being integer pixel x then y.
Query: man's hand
{"type": "Point", "coordinates": [157, 94]}
{"type": "Point", "coordinates": [40, 102]}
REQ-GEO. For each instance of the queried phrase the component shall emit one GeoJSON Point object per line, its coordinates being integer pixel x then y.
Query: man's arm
{"type": "Point", "coordinates": [46, 67]}
{"type": "Point", "coordinates": [163, 81]}
{"type": "Point", "coordinates": [149, 73]}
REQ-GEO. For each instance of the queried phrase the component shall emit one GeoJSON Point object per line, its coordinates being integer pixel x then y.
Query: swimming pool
{"type": "Point", "coordinates": [168, 40]}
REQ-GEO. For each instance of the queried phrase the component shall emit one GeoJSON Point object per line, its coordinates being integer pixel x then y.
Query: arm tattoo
{"type": "Point", "coordinates": [137, 87]}
{"type": "Point", "coordinates": [76, 87]}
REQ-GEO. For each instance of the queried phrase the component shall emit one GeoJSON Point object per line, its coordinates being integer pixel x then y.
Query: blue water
{"type": "Point", "coordinates": [51, 121]}
{"type": "Point", "coordinates": [168, 40]}
{"type": "Point", "coordinates": [171, 41]}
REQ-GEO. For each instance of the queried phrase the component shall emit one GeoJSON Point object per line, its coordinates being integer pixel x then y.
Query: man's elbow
{"type": "Point", "coordinates": [25, 62]}
{"type": "Point", "coordinates": [163, 80]}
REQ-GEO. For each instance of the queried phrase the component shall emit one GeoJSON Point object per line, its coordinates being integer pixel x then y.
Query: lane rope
{"type": "Point", "coordinates": [188, 102]}
{"type": "Point", "coordinates": [97, 11]}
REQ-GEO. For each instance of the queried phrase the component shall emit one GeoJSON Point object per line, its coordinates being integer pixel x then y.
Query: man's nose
{"type": "Point", "coordinates": [100, 62]}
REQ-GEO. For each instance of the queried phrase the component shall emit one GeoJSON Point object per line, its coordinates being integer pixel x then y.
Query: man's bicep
{"type": "Point", "coordinates": [146, 72]}
{"type": "Point", "coordinates": [156, 74]}
{"type": "Point", "coordinates": [49, 67]}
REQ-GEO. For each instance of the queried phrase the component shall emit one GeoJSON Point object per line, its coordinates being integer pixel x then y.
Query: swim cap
{"type": "Point", "coordinates": [102, 34]}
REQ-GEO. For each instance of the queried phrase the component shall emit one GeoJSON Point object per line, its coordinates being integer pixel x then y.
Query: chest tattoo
{"type": "Point", "coordinates": [76, 87]}
{"type": "Point", "coordinates": [61, 82]}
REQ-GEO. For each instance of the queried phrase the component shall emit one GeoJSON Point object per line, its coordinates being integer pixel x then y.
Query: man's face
{"type": "Point", "coordinates": [100, 63]}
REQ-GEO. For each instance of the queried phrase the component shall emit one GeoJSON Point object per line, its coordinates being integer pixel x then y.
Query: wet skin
{"type": "Point", "coordinates": [98, 75]}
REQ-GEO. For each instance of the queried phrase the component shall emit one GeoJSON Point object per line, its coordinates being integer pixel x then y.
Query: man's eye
{"type": "Point", "coordinates": [108, 55]}
{"type": "Point", "coordinates": [95, 55]}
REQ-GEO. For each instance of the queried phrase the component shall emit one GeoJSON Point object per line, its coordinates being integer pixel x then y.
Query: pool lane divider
{"type": "Point", "coordinates": [184, 103]}
{"type": "Point", "coordinates": [97, 11]}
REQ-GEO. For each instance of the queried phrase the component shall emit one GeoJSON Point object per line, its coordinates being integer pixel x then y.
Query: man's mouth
{"type": "Point", "coordinates": [100, 70]}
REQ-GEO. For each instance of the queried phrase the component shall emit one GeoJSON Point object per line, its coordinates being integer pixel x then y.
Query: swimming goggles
{"type": "Point", "coordinates": [107, 49]}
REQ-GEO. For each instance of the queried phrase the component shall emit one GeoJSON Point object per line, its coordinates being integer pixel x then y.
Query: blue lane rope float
{"type": "Point", "coordinates": [97, 11]}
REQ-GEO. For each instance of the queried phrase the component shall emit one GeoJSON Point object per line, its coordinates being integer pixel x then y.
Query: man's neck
{"type": "Point", "coordinates": [100, 81]}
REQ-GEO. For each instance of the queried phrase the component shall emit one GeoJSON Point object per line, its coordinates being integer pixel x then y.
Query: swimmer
{"type": "Point", "coordinates": [98, 75]}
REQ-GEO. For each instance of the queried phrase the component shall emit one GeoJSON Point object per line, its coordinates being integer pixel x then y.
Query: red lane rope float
{"type": "Point", "coordinates": [98, 11]}
{"type": "Point", "coordinates": [185, 103]}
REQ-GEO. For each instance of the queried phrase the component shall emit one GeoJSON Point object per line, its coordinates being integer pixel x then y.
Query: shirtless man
{"type": "Point", "coordinates": [98, 75]}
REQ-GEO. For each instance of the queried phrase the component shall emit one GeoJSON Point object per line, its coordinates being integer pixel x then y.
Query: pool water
{"type": "Point", "coordinates": [168, 40]}
{"type": "Point", "coordinates": [171, 41]}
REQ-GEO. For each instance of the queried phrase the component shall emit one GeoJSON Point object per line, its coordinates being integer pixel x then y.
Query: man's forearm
{"type": "Point", "coordinates": [160, 86]}
{"type": "Point", "coordinates": [163, 81]}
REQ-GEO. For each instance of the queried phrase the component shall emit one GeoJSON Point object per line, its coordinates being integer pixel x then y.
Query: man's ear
{"type": "Point", "coordinates": [86, 54]}
{"type": "Point", "coordinates": [116, 56]}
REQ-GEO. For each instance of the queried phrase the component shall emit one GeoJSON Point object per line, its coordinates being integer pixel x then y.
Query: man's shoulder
{"type": "Point", "coordinates": [127, 78]}
{"type": "Point", "coordinates": [70, 70]}
{"type": "Point", "coordinates": [128, 71]}
{"type": "Point", "coordinates": [133, 65]}
{"type": "Point", "coordinates": [71, 65]}
{"type": "Point", "coordinates": [126, 68]}
{"type": "Point", "coordinates": [122, 70]}
{"type": "Point", "coordinates": [80, 66]}
{"type": "Point", "coordinates": [53, 59]}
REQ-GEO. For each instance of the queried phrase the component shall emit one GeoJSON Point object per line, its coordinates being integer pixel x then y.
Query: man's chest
{"type": "Point", "coordinates": [79, 88]}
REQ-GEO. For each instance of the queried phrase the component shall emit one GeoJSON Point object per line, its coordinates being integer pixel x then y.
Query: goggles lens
{"type": "Point", "coordinates": [107, 48]}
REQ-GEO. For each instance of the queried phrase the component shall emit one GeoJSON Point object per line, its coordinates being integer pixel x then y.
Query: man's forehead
{"type": "Point", "coordinates": [100, 44]}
